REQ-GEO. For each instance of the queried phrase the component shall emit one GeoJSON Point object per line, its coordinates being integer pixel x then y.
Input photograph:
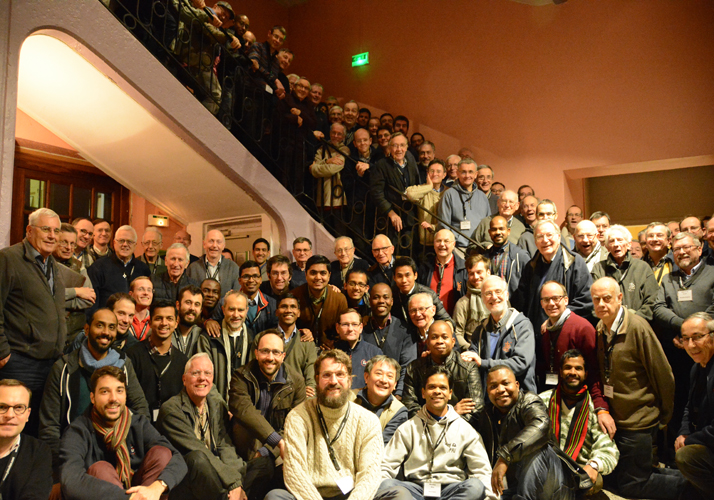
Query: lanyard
{"type": "Point", "coordinates": [158, 377]}
{"type": "Point", "coordinates": [553, 340]}
{"type": "Point", "coordinates": [383, 340]}
{"type": "Point", "coordinates": [316, 319]}
{"type": "Point", "coordinates": [326, 435]}
{"type": "Point", "coordinates": [142, 336]}
{"type": "Point", "coordinates": [433, 446]}
{"type": "Point", "coordinates": [13, 456]}
{"type": "Point", "coordinates": [608, 349]}
{"type": "Point", "coordinates": [463, 203]}
{"type": "Point", "coordinates": [440, 270]}
{"type": "Point", "coordinates": [215, 274]}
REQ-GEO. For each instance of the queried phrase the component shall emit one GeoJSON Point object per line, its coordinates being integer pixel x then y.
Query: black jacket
{"type": "Point", "coordinates": [386, 173]}
{"type": "Point", "coordinates": [336, 272]}
{"type": "Point", "coordinates": [60, 400]}
{"type": "Point", "coordinates": [699, 426]}
{"type": "Point", "coordinates": [526, 429]}
{"type": "Point", "coordinates": [165, 289]}
{"type": "Point", "coordinates": [107, 275]}
{"type": "Point", "coordinates": [31, 475]}
{"type": "Point", "coordinates": [467, 384]}
{"type": "Point", "coordinates": [400, 308]}
{"type": "Point", "coordinates": [81, 447]}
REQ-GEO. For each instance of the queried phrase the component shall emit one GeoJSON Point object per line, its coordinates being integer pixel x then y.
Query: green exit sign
{"type": "Point", "coordinates": [360, 59]}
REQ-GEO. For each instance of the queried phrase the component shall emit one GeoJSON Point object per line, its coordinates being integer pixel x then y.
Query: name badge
{"type": "Point", "coordinates": [268, 89]}
{"type": "Point", "coordinates": [346, 484]}
{"type": "Point", "coordinates": [551, 379]}
{"type": "Point", "coordinates": [684, 296]}
{"type": "Point", "coordinates": [609, 391]}
{"type": "Point", "coordinates": [155, 413]}
{"type": "Point", "coordinates": [432, 490]}
{"type": "Point", "coordinates": [465, 224]}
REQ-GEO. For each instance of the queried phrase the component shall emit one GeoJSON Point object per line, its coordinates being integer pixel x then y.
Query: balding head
{"type": "Point", "coordinates": [508, 204]}
{"type": "Point", "coordinates": [585, 236]}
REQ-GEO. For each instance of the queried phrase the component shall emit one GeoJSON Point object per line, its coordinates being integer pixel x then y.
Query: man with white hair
{"type": "Point", "coordinates": [638, 283]}
{"type": "Point", "coordinates": [152, 240]}
{"type": "Point", "coordinates": [168, 283]}
{"type": "Point", "coordinates": [446, 273]}
{"type": "Point", "coordinates": [346, 261]}
{"type": "Point", "coordinates": [504, 338]}
{"type": "Point", "coordinates": [507, 208]}
{"type": "Point", "coordinates": [115, 272]}
{"type": "Point", "coordinates": [32, 319]}
{"type": "Point", "coordinates": [213, 265]}
{"type": "Point", "coordinates": [587, 243]}
{"type": "Point", "coordinates": [553, 261]}
{"type": "Point", "coordinates": [545, 209]}
{"type": "Point", "coordinates": [326, 169]}
{"type": "Point", "coordinates": [194, 421]}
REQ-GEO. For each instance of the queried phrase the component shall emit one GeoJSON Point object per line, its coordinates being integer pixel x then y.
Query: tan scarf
{"type": "Point", "coordinates": [115, 440]}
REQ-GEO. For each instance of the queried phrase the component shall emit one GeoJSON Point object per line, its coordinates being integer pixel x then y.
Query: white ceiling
{"type": "Point", "coordinates": [65, 93]}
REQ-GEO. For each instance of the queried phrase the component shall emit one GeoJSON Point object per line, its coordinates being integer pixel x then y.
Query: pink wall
{"type": "Point", "coordinates": [263, 15]}
{"type": "Point", "coordinates": [534, 90]}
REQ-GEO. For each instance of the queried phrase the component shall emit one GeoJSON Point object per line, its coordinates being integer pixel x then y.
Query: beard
{"type": "Point", "coordinates": [336, 401]}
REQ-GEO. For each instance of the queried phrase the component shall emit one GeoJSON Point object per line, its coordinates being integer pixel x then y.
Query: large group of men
{"type": "Point", "coordinates": [551, 365]}
{"type": "Point", "coordinates": [513, 358]}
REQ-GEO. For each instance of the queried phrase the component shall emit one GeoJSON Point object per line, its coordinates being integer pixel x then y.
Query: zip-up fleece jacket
{"type": "Point", "coordinates": [459, 456]}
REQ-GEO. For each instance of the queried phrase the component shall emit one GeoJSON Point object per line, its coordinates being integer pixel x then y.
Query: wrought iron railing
{"type": "Point", "coordinates": [201, 58]}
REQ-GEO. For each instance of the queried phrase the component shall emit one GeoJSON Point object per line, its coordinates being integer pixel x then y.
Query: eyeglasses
{"type": "Point", "coordinates": [328, 375]}
{"type": "Point", "coordinates": [420, 310]}
{"type": "Point", "coordinates": [18, 409]}
{"type": "Point", "coordinates": [355, 284]}
{"type": "Point", "coordinates": [274, 352]}
{"type": "Point", "coordinates": [69, 244]}
{"type": "Point", "coordinates": [381, 250]}
{"type": "Point", "coordinates": [695, 338]}
{"type": "Point", "coordinates": [493, 293]}
{"type": "Point", "coordinates": [198, 373]}
{"type": "Point", "coordinates": [48, 229]}
{"type": "Point", "coordinates": [554, 298]}
{"type": "Point", "coordinates": [149, 243]}
{"type": "Point", "coordinates": [546, 236]}
{"type": "Point", "coordinates": [126, 242]}
{"type": "Point", "coordinates": [342, 251]}
{"type": "Point", "coordinates": [249, 277]}
{"type": "Point", "coordinates": [684, 248]}
{"type": "Point", "coordinates": [350, 325]}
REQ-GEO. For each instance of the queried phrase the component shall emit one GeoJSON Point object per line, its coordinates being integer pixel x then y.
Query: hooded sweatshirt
{"type": "Point", "coordinates": [459, 456]}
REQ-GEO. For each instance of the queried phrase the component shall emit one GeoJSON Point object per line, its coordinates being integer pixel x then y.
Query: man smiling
{"type": "Point", "coordinates": [167, 284]}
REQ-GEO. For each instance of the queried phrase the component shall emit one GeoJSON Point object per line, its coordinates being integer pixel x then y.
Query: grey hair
{"type": "Point", "coordinates": [381, 358]}
{"type": "Point", "coordinates": [181, 246]}
{"type": "Point", "coordinates": [546, 201]}
{"type": "Point", "coordinates": [484, 167]}
{"type": "Point", "coordinates": [194, 358]}
{"type": "Point", "coordinates": [681, 236]}
{"type": "Point", "coordinates": [127, 227]}
{"type": "Point", "coordinates": [467, 161]}
{"type": "Point", "coordinates": [152, 229]}
{"type": "Point", "coordinates": [541, 223]}
{"type": "Point", "coordinates": [41, 212]}
{"type": "Point", "coordinates": [667, 230]}
{"type": "Point", "coordinates": [608, 279]}
{"type": "Point", "coordinates": [494, 277]}
{"type": "Point", "coordinates": [617, 228]}
{"type": "Point", "coordinates": [708, 320]}
{"type": "Point", "coordinates": [421, 295]}
{"type": "Point", "coordinates": [343, 238]}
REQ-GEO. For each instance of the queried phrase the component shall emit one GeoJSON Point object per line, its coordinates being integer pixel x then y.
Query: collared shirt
{"type": "Point", "coordinates": [14, 446]}
{"type": "Point", "coordinates": [43, 265]}
{"type": "Point", "coordinates": [202, 428]}
{"type": "Point", "coordinates": [266, 395]}
{"type": "Point", "coordinates": [617, 324]}
{"type": "Point", "coordinates": [694, 269]}
{"type": "Point", "coordinates": [285, 334]}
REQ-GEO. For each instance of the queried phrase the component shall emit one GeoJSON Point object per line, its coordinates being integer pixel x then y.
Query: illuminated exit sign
{"type": "Point", "coordinates": [360, 59]}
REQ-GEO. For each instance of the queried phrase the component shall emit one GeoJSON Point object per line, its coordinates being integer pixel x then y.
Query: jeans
{"type": "Point", "coordinates": [696, 462]}
{"type": "Point", "coordinates": [539, 477]}
{"type": "Point", "coordinates": [394, 489]}
{"type": "Point", "coordinates": [634, 476]}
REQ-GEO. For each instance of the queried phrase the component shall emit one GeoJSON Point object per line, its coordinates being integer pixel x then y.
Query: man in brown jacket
{"type": "Point", "coordinates": [262, 394]}
{"type": "Point", "coordinates": [639, 386]}
{"type": "Point", "coordinates": [320, 305]}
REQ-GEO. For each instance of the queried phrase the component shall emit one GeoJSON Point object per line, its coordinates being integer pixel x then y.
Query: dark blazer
{"type": "Point", "coordinates": [165, 289]}
{"type": "Point", "coordinates": [107, 275]}
{"type": "Point", "coordinates": [401, 303]}
{"type": "Point", "coordinates": [700, 431]}
{"type": "Point", "coordinates": [426, 273]}
{"type": "Point", "coordinates": [336, 272]}
{"type": "Point", "coordinates": [387, 173]}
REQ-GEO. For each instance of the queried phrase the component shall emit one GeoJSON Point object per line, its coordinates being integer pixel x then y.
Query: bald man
{"type": "Point", "coordinates": [587, 244]}
{"type": "Point", "coordinates": [214, 266]}
{"type": "Point", "coordinates": [508, 207]}
{"type": "Point", "coordinates": [445, 273]}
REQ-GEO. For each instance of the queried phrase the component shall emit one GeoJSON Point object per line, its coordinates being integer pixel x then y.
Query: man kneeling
{"type": "Point", "coordinates": [109, 452]}
{"type": "Point", "coordinates": [442, 454]}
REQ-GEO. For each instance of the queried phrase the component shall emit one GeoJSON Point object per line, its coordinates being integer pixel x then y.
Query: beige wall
{"type": "Point", "coordinates": [535, 90]}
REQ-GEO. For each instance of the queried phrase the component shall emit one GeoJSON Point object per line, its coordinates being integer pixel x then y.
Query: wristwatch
{"type": "Point", "coordinates": [594, 465]}
{"type": "Point", "coordinates": [166, 486]}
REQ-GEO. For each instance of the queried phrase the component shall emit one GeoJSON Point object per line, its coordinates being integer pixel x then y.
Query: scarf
{"type": "Point", "coordinates": [558, 324]}
{"type": "Point", "coordinates": [477, 310]}
{"type": "Point", "coordinates": [115, 440]}
{"type": "Point", "coordinates": [111, 359]}
{"type": "Point", "coordinates": [579, 422]}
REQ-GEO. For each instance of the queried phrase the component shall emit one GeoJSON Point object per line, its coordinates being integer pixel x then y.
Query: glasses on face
{"type": "Point", "coordinates": [493, 293]}
{"type": "Point", "coordinates": [151, 244]}
{"type": "Point", "coordinates": [68, 244]}
{"type": "Point", "coordinates": [341, 375]}
{"type": "Point", "coordinates": [694, 338]}
{"type": "Point", "coordinates": [554, 298]}
{"type": "Point", "coordinates": [48, 230]}
{"type": "Point", "coordinates": [126, 242]}
{"type": "Point", "coordinates": [250, 277]}
{"type": "Point", "coordinates": [266, 352]}
{"type": "Point", "coordinates": [684, 248]}
{"type": "Point", "coordinates": [199, 373]}
{"type": "Point", "coordinates": [343, 251]}
{"type": "Point", "coordinates": [420, 310]}
{"type": "Point", "coordinates": [304, 87]}
{"type": "Point", "coordinates": [17, 409]}
{"type": "Point", "coordinates": [278, 274]}
{"type": "Point", "coordinates": [381, 250]}
{"type": "Point", "coordinates": [84, 232]}
{"type": "Point", "coordinates": [350, 325]}
{"type": "Point", "coordinates": [355, 284]}
{"type": "Point", "coordinates": [546, 236]}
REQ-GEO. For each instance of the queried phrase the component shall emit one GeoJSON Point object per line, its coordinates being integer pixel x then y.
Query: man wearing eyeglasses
{"type": "Point", "coordinates": [695, 444]}
{"type": "Point", "coordinates": [639, 387]}
{"type": "Point", "coordinates": [507, 208]}
{"type": "Point", "coordinates": [85, 232]}
{"type": "Point", "coordinates": [262, 394]}
{"type": "Point", "coordinates": [346, 261]}
{"type": "Point", "coordinates": [684, 291]}
{"type": "Point", "coordinates": [116, 271]}
{"type": "Point", "coordinates": [32, 298]}
{"type": "Point", "coordinates": [504, 338]}
{"type": "Point", "coordinates": [21, 453]}
{"type": "Point", "coordinates": [194, 421]}
{"type": "Point", "coordinates": [152, 240]}
{"type": "Point", "coordinates": [349, 331]}
{"type": "Point", "coordinates": [383, 270]}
